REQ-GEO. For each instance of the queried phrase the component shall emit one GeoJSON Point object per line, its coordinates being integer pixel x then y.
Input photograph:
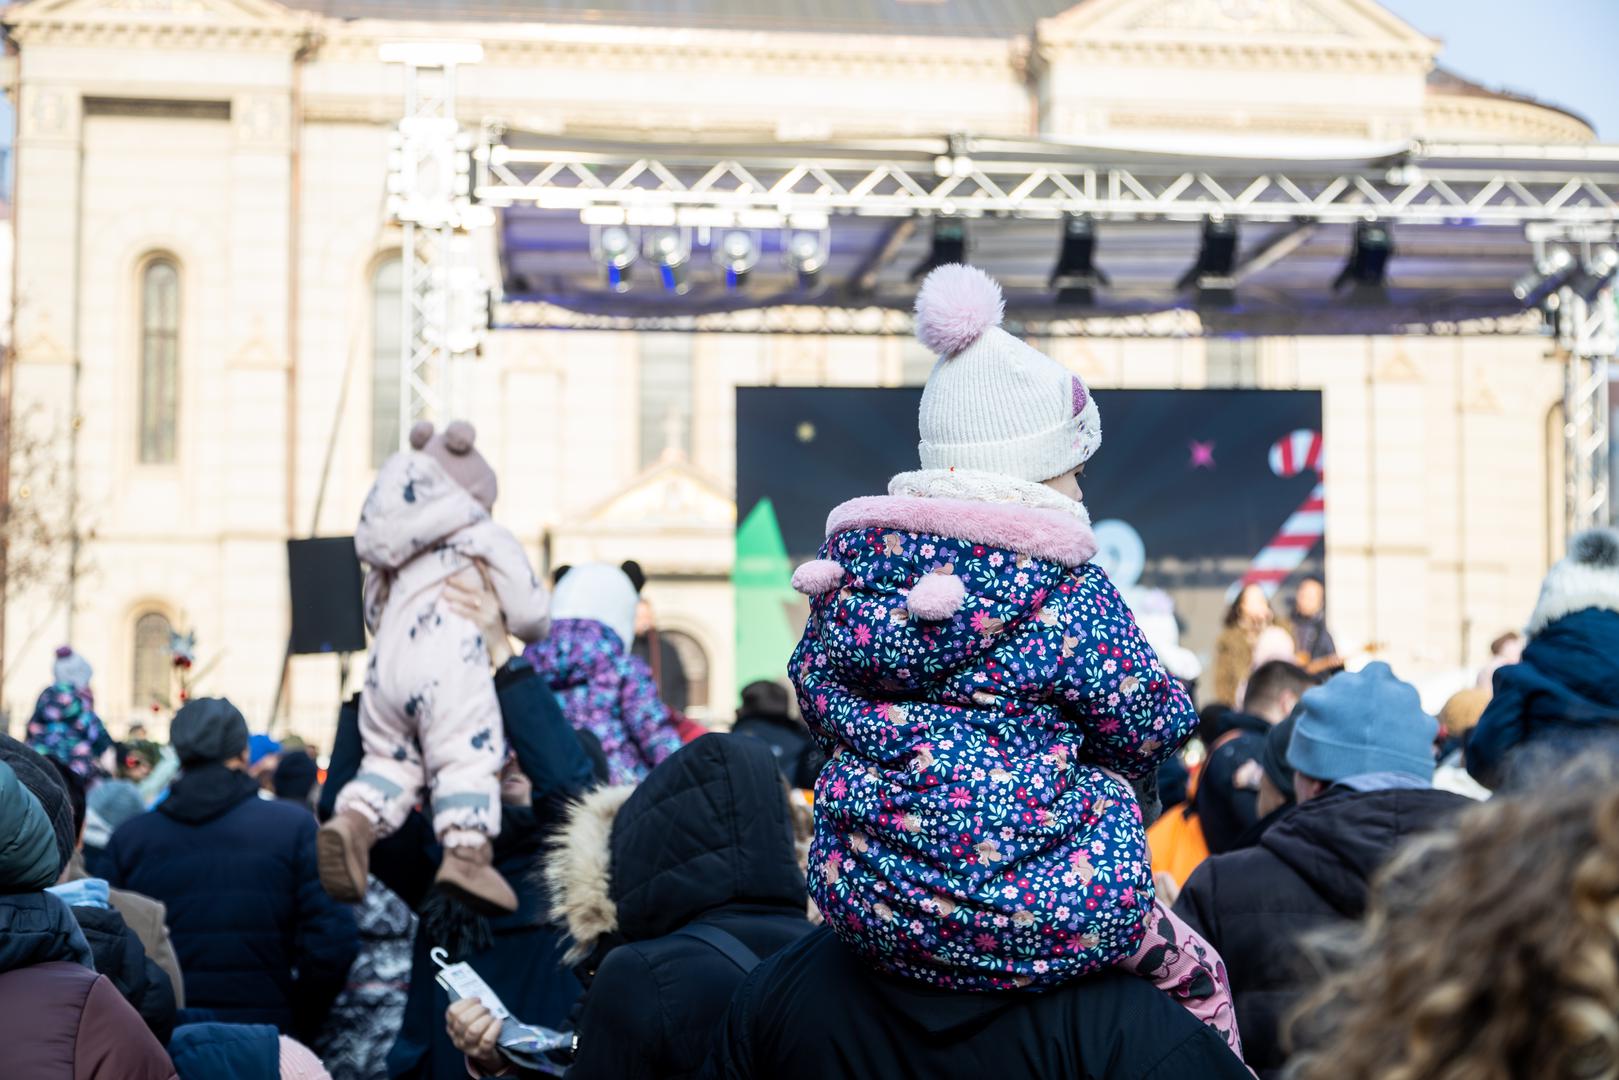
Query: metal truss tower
{"type": "Point", "coordinates": [1588, 335]}
{"type": "Point", "coordinates": [445, 301]}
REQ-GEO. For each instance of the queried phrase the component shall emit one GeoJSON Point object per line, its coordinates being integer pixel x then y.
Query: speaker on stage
{"type": "Point", "coordinates": [327, 611]}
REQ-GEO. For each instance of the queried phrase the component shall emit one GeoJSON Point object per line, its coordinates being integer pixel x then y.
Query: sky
{"type": "Point", "coordinates": [1561, 51]}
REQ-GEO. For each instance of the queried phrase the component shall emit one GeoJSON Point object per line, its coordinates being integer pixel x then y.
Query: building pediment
{"type": "Point", "coordinates": [671, 495]}
{"type": "Point", "coordinates": [145, 23]}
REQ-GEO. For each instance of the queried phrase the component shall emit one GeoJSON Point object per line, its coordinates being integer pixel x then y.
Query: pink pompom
{"type": "Point", "coordinates": [817, 576]}
{"type": "Point", "coordinates": [421, 433]}
{"type": "Point", "coordinates": [936, 597]}
{"type": "Point", "coordinates": [459, 437]}
{"type": "Point", "coordinates": [954, 307]}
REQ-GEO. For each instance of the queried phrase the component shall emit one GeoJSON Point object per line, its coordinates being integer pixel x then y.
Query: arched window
{"type": "Point", "coordinates": [387, 317]}
{"type": "Point", "coordinates": [160, 361]}
{"type": "Point", "coordinates": [683, 674]}
{"type": "Point", "coordinates": [154, 663]}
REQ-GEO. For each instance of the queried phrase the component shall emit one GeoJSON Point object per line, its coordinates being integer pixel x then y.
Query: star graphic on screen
{"type": "Point", "coordinates": [1202, 454]}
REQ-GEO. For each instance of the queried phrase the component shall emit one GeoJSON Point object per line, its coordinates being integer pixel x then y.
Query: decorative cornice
{"type": "Point", "coordinates": [1469, 116]}
{"type": "Point", "coordinates": [146, 34]}
{"type": "Point", "coordinates": [1351, 57]}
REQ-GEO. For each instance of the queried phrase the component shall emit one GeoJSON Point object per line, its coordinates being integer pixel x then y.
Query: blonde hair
{"type": "Point", "coordinates": [1488, 953]}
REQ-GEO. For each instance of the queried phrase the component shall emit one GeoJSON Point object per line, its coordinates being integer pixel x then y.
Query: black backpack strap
{"type": "Point", "coordinates": [724, 944]}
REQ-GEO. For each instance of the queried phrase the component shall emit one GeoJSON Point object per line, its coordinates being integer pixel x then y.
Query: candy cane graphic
{"type": "Point", "coordinates": [1292, 454]}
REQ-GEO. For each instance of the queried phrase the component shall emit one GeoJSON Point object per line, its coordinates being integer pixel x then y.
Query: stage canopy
{"type": "Point", "coordinates": [1150, 228]}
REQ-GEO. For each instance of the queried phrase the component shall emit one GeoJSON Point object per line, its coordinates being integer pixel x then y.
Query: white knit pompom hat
{"type": "Point", "coordinates": [992, 403]}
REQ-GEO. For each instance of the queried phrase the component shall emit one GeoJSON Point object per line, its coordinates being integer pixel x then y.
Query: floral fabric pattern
{"type": "Point", "coordinates": [974, 826]}
{"type": "Point", "coordinates": [608, 692]}
{"type": "Point", "coordinates": [65, 726]}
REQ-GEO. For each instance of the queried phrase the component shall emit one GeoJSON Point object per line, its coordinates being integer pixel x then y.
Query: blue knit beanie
{"type": "Point", "coordinates": [1360, 723]}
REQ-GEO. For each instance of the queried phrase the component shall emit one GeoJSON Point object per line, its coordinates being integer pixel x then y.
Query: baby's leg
{"type": "Point", "coordinates": [391, 774]}
{"type": "Point", "coordinates": [463, 747]}
{"type": "Point", "coordinates": [1186, 967]}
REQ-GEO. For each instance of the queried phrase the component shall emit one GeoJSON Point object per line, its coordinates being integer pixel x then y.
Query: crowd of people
{"type": "Point", "coordinates": [995, 836]}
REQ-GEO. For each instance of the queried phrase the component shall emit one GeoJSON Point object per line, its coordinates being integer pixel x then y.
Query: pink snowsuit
{"type": "Point", "coordinates": [428, 715]}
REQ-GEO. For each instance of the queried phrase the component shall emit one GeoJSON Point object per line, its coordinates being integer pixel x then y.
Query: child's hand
{"type": "Point", "coordinates": [477, 605]}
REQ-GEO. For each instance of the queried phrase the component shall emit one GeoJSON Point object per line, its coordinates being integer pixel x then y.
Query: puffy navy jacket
{"type": "Point", "coordinates": [258, 938]}
{"type": "Point", "coordinates": [1561, 697]}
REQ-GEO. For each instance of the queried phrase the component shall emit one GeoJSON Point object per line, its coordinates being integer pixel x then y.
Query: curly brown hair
{"type": "Point", "coordinates": [1490, 952]}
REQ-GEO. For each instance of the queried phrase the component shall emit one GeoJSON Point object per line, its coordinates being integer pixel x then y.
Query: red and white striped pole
{"type": "Point", "coordinates": [1294, 453]}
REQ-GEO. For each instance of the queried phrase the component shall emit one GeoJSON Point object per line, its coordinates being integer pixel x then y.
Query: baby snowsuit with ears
{"type": "Point", "coordinates": [429, 717]}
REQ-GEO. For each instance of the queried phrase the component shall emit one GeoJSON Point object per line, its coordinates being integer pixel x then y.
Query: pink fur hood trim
{"type": "Point", "coordinates": [1045, 534]}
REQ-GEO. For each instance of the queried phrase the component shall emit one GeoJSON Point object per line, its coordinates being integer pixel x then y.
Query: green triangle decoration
{"type": "Point", "coordinates": [769, 614]}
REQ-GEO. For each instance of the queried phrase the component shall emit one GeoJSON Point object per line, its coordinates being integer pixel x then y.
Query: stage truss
{"type": "Point", "coordinates": [1563, 194]}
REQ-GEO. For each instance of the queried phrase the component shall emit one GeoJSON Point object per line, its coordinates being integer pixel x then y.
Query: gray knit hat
{"type": "Point", "coordinates": [994, 404]}
{"type": "Point", "coordinates": [1359, 723]}
{"type": "Point", "coordinates": [207, 730]}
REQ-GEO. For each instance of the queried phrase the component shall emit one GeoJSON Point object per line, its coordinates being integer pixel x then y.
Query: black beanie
{"type": "Point", "coordinates": [39, 777]}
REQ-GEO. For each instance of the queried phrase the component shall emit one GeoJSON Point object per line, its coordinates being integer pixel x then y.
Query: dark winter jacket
{"type": "Point", "coordinates": [523, 964]}
{"type": "Point", "coordinates": [1562, 696]}
{"type": "Point", "coordinates": [237, 1051]}
{"type": "Point", "coordinates": [258, 938]}
{"type": "Point", "coordinates": [119, 956]}
{"type": "Point", "coordinates": [705, 839]}
{"type": "Point", "coordinates": [1310, 870]}
{"type": "Point", "coordinates": [815, 1011]}
{"type": "Point", "coordinates": [797, 756]}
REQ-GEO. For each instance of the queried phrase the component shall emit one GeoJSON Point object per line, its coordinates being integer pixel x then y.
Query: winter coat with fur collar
{"type": "Point", "coordinates": [705, 838]}
{"type": "Point", "coordinates": [984, 694]}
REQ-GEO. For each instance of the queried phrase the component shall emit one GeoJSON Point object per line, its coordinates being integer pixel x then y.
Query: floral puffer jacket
{"type": "Point", "coordinates": [609, 692]}
{"type": "Point", "coordinates": [983, 693]}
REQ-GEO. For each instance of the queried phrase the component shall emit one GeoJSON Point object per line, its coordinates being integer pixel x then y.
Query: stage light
{"type": "Point", "coordinates": [614, 247]}
{"type": "Point", "coordinates": [1214, 272]}
{"type": "Point", "coordinates": [1369, 255]}
{"type": "Point", "coordinates": [670, 250]}
{"type": "Point", "coordinates": [1595, 274]}
{"type": "Point", "coordinates": [806, 252]}
{"type": "Point", "coordinates": [736, 253]}
{"type": "Point", "coordinates": [949, 245]}
{"type": "Point", "coordinates": [1076, 276]}
{"type": "Point", "coordinates": [1548, 276]}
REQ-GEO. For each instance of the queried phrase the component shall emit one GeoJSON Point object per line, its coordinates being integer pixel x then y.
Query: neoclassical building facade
{"type": "Point", "coordinates": [207, 296]}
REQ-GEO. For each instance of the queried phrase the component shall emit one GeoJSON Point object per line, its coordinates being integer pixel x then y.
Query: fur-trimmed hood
{"type": "Point", "coordinates": [710, 826]}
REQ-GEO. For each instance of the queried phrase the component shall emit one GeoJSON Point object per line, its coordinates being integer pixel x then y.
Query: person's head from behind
{"type": "Point", "coordinates": [1250, 608]}
{"type": "Point", "coordinates": [1274, 688]}
{"type": "Point", "coordinates": [1366, 723]}
{"type": "Point", "coordinates": [1508, 648]}
{"type": "Point", "coordinates": [137, 732]}
{"type": "Point", "coordinates": [1310, 598]}
{"type": "Point", "coordinates": [994, 404]}
{"type": "Point", "coordinates": [765, 697]}
{"type": "Point", "coordinates": [597, 592]}
{"type": "Point", "coordinates": [210, 731]}
{"type": "Point", "coordinates": [73, 787]}
{"type": "Point", "coordinates": [295, 777]}
{"type": "Point", "coordinates": [38, 776]}
{"type": "Point", "coordinates": [1276, 775]}
{"type": "Point", "coordinates": [709, 825]}
{"type": "Point", "coordinates": [1488, 950]}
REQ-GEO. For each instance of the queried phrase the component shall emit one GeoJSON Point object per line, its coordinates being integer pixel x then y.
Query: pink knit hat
{"type": "Point", "coordinates": [453, 449]}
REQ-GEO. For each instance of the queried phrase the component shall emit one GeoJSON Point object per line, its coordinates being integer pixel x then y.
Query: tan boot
{"type": "Point", "coordinates": [469, 872]}
{"type": "Point", "coordinates": [343, 854]}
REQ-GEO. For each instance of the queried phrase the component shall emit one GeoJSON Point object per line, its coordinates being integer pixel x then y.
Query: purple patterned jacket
{"type": "Point", "coordinates": [980, 688]}
{"type": "Point", "coordinates": [608, 692]}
